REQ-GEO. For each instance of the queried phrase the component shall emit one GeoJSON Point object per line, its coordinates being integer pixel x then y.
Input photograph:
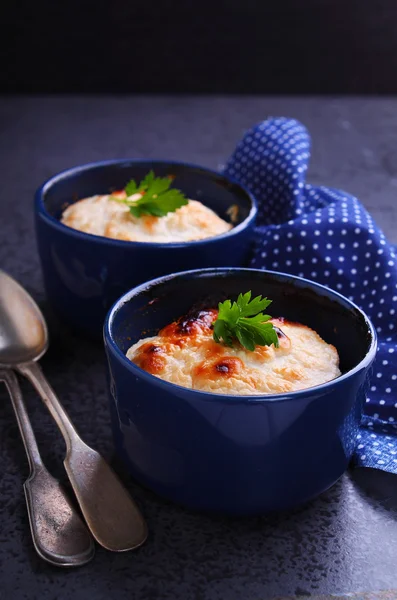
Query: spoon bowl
{"type": "Point", "coordinates": [23, 331]}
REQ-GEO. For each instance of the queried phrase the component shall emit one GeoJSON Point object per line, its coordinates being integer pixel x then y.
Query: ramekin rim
{"type": "Point", "coordinates": [168, 386]}
{"type": "Point", "coordinates": [41, 209]}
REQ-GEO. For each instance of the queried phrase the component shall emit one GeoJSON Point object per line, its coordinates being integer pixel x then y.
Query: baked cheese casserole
{"type": "Point", "coordinates": [186, 354]}
{"type": "Point", "coordinates": [102, 216]}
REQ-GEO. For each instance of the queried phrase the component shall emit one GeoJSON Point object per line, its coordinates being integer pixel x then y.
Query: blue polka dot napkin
{"type": "Point", "coordinates": [326, 235]}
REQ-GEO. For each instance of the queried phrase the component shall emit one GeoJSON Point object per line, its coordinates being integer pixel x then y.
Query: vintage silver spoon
{"type": "Point", "coordinates": [59, 535]}
{"type": "Point", "coordinates": [111, 515]}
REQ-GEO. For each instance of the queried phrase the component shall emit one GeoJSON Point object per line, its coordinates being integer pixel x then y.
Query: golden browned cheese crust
{"type": "Point", "coordinates": [101, 216]}
{"type": "Point", "coordinates": [185, 353]}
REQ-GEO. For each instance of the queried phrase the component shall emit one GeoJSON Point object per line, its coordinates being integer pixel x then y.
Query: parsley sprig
{"type": "Point", "coordinates": [156, 196]}
{"type": "Point", "coordinates": [245, 321]}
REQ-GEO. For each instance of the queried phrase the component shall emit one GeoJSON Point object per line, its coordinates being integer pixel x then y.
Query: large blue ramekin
{"type": "Point", "coordinates": [237, 454]}
{"type": "Point", "coordinates": [84, 274]}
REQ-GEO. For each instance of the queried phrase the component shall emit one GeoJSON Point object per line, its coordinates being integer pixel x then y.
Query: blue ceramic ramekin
{"type": "Point", "coordinates": [84, 274]}
{"type": "Point", "coordinates": [237, 454]}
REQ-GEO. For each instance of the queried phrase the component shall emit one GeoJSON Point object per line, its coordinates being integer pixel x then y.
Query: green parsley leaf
{"type": "Point", "coordinates": [157, 198]}
{"type": "Point", "coordinates": [245, 321]}
{"type": "Point", "coordinates": [223, 332]}
{"type": "Point", "coordinates": [131, 188]}
{"type": "Point", "coordinates": [159, 204]}
{"type": "Point", "coordinates": [147, 181]}
{"type": "Point", "coordinates": [248, 307]}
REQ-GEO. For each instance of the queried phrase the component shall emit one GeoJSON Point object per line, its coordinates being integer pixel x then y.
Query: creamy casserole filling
{"type": "Point", "coordinates": [186, 354]}
{"type": "Point", "coordinates": [100, 215]}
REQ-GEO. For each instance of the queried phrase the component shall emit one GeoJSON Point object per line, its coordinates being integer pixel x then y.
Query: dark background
{"type": "Point", "coordinates": [219, 46]}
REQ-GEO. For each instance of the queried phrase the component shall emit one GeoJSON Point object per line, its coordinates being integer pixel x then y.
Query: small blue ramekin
{"type": "Point", "coordinates": [84, 274]}
{"type": "Point", "coordinates": [237, 454]}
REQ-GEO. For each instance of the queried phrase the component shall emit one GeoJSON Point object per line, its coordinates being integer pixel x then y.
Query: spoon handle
{"type": "Point", "coordinates": [59, 535]}
{"type": "Point", "coordinates": [33, 372]}
{"type": "Point", "coordinates": [24, 424]}
{"type": "Point", "coordinates": [111, 514]}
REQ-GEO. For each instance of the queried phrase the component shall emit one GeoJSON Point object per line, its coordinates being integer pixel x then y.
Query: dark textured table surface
{"type": "Point", "coordinates": [344, 541]}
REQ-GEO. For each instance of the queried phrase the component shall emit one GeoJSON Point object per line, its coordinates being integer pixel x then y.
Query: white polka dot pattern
{"type": "Point", "coordinates": [326, 235]}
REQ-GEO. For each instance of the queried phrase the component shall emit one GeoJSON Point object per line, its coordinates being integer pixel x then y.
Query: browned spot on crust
{"type": "Point", "coordinates": [171, 334]}
{"type": "Point", "coordinates": [70, 220]}
{"type": "Point", "coordinates": [199, 322]}
{"type": "Point", "coordinates": [119, 194]}
{"type": "Point", "coordinates": [227, 366]}
{"type": "Point", "coordinates": [150, 358]}
{"type": "Point", "coordinates": [192, 325]}
{"type": "Point", "coordinates": [149, 222]}
{"type": "Point", "coordinates": [108, 230]}
{"type": "Point", "coordinates": [212, 349]}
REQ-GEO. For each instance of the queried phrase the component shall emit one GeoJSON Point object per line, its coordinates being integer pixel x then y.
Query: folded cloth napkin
{"type": "Point", "coordinates": [326, 235]}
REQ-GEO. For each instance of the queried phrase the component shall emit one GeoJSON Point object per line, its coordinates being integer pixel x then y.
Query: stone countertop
{"type": "Point", "coordinates": [346, 540]}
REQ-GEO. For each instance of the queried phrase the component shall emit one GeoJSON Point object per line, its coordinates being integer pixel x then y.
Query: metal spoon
{"type": "Point", "coordinates": [110, 513]}
{"type": "Point", "coordinates": [59, 535]}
